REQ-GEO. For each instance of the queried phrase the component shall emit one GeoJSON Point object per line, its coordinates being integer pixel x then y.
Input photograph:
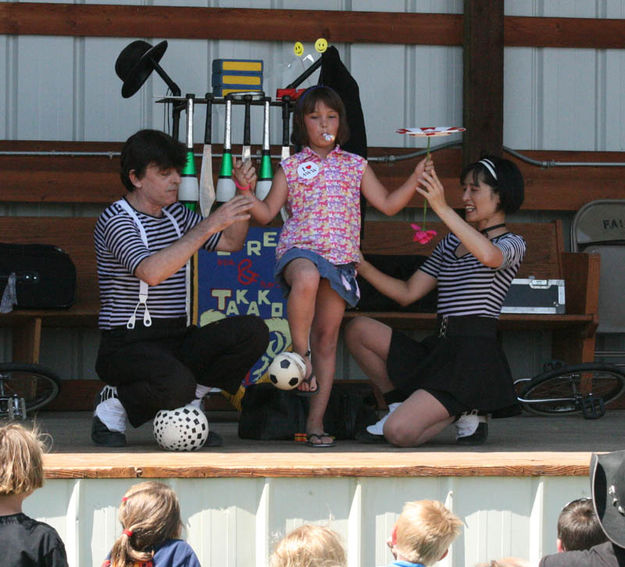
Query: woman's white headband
{"type": "Point", "coordinates": [490, 166]}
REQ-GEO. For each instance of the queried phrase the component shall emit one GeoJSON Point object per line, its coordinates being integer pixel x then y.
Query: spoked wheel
{"type": "Point", "coordinates": [573, 389]}
{"type": "Point", "coordinates": [36, 385]}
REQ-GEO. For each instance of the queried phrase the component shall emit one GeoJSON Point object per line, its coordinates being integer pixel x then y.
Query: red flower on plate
{"type": "Point", "coordinates": [422, 236]}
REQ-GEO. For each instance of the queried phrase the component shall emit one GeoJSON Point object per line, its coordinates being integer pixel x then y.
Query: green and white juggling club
{"type": "Point", "coordinates": [225, 185]}
{"type": "Point", "coordinates": [265, 172]}
{"type": "Point", "coordinates": [188, 192]}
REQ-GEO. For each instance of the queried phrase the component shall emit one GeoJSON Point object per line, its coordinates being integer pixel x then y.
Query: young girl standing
{"type": "Point", "coordinates": [150, 516]}
{"type": "Point", "coordinates": [317, 253]}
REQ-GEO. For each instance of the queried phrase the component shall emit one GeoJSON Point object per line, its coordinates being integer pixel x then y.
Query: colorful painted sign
{"type": "Point", "coordinates": [241, 283]}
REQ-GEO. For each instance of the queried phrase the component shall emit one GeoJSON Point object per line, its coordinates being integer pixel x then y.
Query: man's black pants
{"type": "Point", "coordinates": [158, 367]}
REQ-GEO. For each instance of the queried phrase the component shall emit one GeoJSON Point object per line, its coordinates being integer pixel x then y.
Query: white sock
{"type": "Point", "coordinates": [201, 390]}
{"type": "Point", "coordinates": [112, 414]}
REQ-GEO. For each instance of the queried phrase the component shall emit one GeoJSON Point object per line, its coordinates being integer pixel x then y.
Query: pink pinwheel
{"type": "Point", "coordinates": [422, 236]}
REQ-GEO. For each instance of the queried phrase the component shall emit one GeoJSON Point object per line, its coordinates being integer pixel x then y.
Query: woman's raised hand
{"type": "Point", "coordinates": [432, 189]}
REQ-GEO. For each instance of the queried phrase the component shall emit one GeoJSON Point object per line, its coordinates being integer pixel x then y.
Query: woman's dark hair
{"type": "Point", "coordinates": [306, 104]}
{"type": "Point", "coordinates": [503, 176]}
{"type": "Point", "coordinates": [146, 147]}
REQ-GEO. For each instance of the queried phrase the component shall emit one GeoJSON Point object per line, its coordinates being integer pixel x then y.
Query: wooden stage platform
{"type": "Point", "coordinates": [520, 446]}
{"type": "Point", "coordinates": [239, 499]}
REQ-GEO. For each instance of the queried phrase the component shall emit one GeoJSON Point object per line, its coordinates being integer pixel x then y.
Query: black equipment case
{"type": "Point", "coordinates": [45, 276]}
{"type": "Point", "coordinates": [531, 295]}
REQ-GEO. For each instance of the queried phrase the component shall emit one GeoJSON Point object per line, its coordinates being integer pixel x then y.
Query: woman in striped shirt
{"type": "Point", "coordinates": [462, 372]}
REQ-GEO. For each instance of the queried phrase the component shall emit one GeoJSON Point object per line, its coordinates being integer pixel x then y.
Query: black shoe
{"type": "Point", "coordinates": [369, 438]}
{"type": "Point", "coordinates": [478, 438]}
{"type": "Point", "coordinates": [103, 436]}
{"type": "Point", "coordinates": [213, 440]}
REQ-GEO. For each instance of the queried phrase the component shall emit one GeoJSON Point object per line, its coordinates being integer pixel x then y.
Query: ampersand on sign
{"type": "Point", "coordinates": [245, 275]}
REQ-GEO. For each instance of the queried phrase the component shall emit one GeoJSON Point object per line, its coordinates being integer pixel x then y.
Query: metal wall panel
{"type": "Point", "coordinates": [237, 522]}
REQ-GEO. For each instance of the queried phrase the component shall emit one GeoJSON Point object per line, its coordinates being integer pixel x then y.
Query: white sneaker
{"type": "Point", "coordinates": [110, 411]}
{"type": "Point", "coordinates": [106, 393]}
{"type": "Point", "coordinates": [378, 428]}
{"type": "Point", "coordinates": [471, 429]}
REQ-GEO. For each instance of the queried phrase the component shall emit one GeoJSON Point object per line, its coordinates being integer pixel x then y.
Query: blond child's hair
{"type": "Point", "coordinates": [21, 460]}
{"type": "Point", "coordinates": [150, 515]}
{"type": "Point", "coordinates": [424, 531]}
{"type": "Point", "coordinates": [309, 546]}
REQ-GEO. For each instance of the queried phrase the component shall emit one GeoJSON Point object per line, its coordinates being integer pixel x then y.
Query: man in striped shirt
{"type": "Point", "coordinates": [149, 356]}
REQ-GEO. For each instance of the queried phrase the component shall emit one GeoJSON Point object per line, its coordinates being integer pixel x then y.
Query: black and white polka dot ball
{"type": "Point", "coordinates": [181, 429]}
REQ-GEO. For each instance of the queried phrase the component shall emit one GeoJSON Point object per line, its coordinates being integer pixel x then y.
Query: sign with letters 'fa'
{"type": "Point", "coordinates": [241, 283]}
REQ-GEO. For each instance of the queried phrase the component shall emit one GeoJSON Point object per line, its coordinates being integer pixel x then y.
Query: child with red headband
{"type": "Point", "coordinates": [150, 516]}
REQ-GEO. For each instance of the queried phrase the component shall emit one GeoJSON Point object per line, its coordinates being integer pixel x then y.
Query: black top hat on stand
{"type": "Point", "coordinates": [135, 63]}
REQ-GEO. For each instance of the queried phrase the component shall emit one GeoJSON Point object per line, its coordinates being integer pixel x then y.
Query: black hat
{"type": "Point", "coordinates": [135, 63]}
{"type": "Point", "coordinates": [608, 493]}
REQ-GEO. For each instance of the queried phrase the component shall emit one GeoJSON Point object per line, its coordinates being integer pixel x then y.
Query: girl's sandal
{"type": "Point", "coordinates": [309, 381]}
{"type": "Point", "coordinates": [316, 440]}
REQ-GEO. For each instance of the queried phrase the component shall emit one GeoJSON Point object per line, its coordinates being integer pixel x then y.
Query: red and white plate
{"type": "Point", "coordinates": [434, 131]}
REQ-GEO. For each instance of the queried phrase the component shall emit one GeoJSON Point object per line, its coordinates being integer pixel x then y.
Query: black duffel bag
{"type": "Point", "coordinates": [271, 414]}
{"type": "Point", "coordinates": [45, 276]}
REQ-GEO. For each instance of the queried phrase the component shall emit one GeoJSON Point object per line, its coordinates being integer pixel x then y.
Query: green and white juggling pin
{"type": "Point", "coordinates": [265, 171]}
{"type": "Point", "coordinates": [188, 192]}
{"type": "Point", "coordinates": [225, 185]}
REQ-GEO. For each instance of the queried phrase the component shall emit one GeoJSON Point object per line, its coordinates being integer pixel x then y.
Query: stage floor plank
{"type": "Point", "coordinates": [520, 446]}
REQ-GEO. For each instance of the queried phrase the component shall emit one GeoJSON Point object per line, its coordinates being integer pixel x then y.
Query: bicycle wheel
{"type": "Point", "coordinates": [561, 391]}
{"type": "Point", "coordinates": [36, 384]}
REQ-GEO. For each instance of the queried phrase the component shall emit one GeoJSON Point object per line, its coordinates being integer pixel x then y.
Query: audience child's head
{"type": "Point", "coordinates": [149, 515]}
{"type": "Point", "coordinates": [21, 461]}
{"type": "Point", "coordinates": [424, 531]}
{"type": "Point", "coordinates": [579, 527]}
{"type": "Point", "coordinates": [309, 546]}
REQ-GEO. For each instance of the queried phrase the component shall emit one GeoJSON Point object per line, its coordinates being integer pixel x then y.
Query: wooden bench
{"type": "Point", "coordinates": [573, 333]}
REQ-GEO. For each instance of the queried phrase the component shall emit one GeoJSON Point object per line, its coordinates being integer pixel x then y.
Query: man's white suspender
{"type": "Point", "coordinates": [143, 286]}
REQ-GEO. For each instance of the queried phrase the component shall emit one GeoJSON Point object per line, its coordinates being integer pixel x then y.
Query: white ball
{"type": "Point", "coordinates": [181, 429]}
{"type": "Point", "coordinates": [287, 370]}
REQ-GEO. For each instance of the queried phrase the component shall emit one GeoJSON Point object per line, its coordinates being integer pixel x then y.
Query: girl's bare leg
{"type": "Point", "coordinates": [329, 311]}
{"type": "Point", "coordinates": [417, 420]}
{"type": "Point", "coordinates": [303, 279]}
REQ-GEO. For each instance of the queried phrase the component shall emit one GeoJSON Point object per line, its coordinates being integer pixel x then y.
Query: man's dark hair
{"type": "Point", "coordinates": [150, 147]}
{"type": "Point", "coordinates": [579, 527]}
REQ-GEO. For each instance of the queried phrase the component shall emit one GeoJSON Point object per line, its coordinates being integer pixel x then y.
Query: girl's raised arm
{"type": "Point", "coordinates": [391, 202]}
{"type": "Point", "coordinates": [262, 211]}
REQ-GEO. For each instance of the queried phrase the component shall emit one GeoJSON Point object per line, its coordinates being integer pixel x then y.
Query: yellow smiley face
{"type": "Point", "coordinates": [321, 45]}
{"type": "Point", "coordinates": [298, 48]}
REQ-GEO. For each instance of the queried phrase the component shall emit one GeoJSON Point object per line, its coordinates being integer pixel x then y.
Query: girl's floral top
{"type": "Point", "coordinates": [323, 204]}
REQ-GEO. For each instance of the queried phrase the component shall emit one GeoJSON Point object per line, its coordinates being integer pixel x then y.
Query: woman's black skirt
{"type": "Point", "coordinates": [463, 366]}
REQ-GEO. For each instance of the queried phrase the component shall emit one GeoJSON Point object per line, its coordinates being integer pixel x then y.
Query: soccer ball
{"type": "Point", "coordinates": [181, 429]}
{"type": "Point", "coordinates": [287, 370]}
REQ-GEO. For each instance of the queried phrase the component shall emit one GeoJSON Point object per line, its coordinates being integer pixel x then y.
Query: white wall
{"type": "Point", "coordinates": [236, 522]}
